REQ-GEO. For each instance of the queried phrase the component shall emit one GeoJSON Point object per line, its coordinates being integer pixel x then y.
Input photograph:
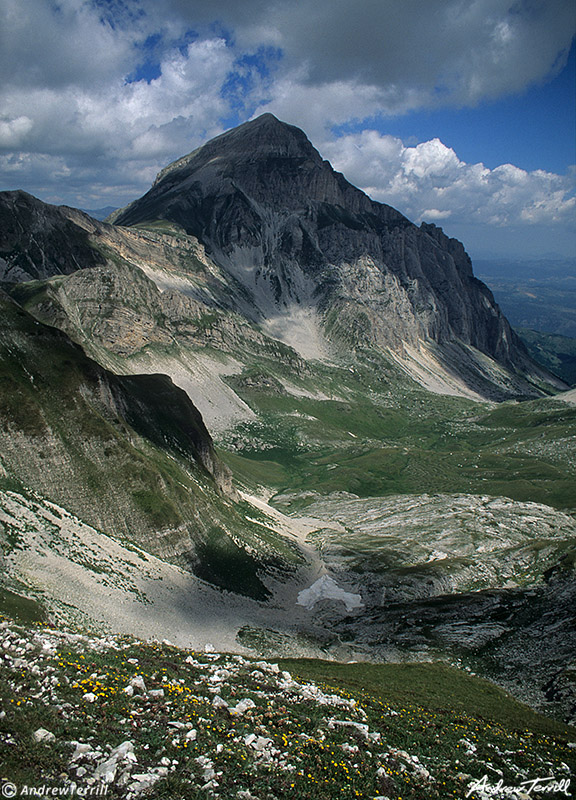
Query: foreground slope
{"type": "Point", "coordinates": [151, 720]}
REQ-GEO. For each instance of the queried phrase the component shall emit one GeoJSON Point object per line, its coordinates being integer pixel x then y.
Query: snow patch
{"type": "Point", "coordinates": [326, 588]}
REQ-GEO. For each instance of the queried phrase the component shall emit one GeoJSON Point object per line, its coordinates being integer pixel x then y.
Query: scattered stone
{"type": "Point", "coordinates": [348, 723]}
{"type": "Point", "coordinates": [106, 770]}
{"type": "Point", "coordinates": [81, 750]}
{"type": "Point", "coordinates": [241, 707]}
{"type": "Point", "coordinates": [43, 736]}
{"type": "Point", "coordinates": [137, 682]}
{"type": "Point", "coordinates": [142, 782]}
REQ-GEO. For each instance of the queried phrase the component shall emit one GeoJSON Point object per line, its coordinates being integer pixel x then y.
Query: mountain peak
{"type": "Point", "coordinates": [260, 138]}
{"type": "Point", "coordinates": [265, 135]}
{"type": "Point", "coordinates": [267, 119]}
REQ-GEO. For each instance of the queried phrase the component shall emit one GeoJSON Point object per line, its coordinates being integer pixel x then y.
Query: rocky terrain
{"type": "Point", "coordinates": [131, 719]}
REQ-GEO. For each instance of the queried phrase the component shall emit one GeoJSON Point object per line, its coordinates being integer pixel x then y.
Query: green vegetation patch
{"type": "Point", "coordinates": [23, 609]}
{"type": "Point", "coordinates": [157, 507]}
{"type": "Point", "coordinates": [358, 432]}
{"type": "Point", "coordinates": [556, 353]}
{"type": "Point", "coordinates": [433, 686]}
{"type": "Point", "coordinates": [220, 561]}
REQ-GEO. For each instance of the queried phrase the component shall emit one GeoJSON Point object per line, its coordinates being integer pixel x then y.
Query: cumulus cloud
{"type": "Point", "coordinates": [13, 131]}
{"type": "Point", "coordinates": [446, 51]}
{"type": "Point", "coordinates": [97, 95]}
{"type": "Point", "coordinates": [97, 122]}
{"type": "Point", "coordinates": [429, 182]}
{"type": "Point", "coordinates": [59, 44]}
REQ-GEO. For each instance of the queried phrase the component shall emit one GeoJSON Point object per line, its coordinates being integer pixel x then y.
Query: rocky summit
{"type": "Point", "coordinates": [257, 409]}
{"type": "Point", "coordinates": [297, 237]}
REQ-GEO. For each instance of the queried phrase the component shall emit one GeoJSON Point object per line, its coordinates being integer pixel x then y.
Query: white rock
{"type": "Point", "coordinates": [143, 782]}
{"type": "Point", "coordinates": [137, 682]}
{"type": "Point", "coordinates": [124, 750]}
{"type": "Point", "coordinates": [241, 707]}
{"type": "Point", "coordinates": [219, 702]}
{"type": "Point", "coordinates": [261, 744]}
{"type": "Point", "coordinates": [191, 735]}
{"type": "Point", "coordinates": [106, 771]}
{"type": "Point", "coordinates": [348, 723]}
{"type": "Point", "coordinates": [156, 693]}
{"type": "Point", "coordinates": [81, 749]}
{"type": "Point", "coordinates": [42, 735]}
{"type": "Point", "coordinates": [220, 675]}
{"type": "Point", "coordinates": [264, 665]}
{"type": "Point", "coordinates": [129, 690]}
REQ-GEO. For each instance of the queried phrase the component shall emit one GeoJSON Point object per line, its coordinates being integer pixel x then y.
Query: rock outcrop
{"type": "Point", "coordinates": [38, 240]}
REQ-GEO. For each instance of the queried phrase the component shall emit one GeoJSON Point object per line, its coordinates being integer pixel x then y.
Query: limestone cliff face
{"type": "Point", "coordinates": [278, 218]}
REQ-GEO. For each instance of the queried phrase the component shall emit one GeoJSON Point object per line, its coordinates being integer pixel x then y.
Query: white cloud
{"type": "Point", "coordinates": [73, 128]}
{"type": "Point", "coordinates": [13, 131]}
{"type": "Point", "coordinates": [123, 132]}
{"type": "Point", "coordinates": [429, 182]}
{"type": "Point", "coordinates": [59, 44]}
{"type": "Point", "coordinates": [445, 51]}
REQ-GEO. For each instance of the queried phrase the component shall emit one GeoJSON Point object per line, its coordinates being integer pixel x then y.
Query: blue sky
{"type": "Point", "coordinates": [533, 129]}
{"type": "Point", "coordinates": [454, 112]}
